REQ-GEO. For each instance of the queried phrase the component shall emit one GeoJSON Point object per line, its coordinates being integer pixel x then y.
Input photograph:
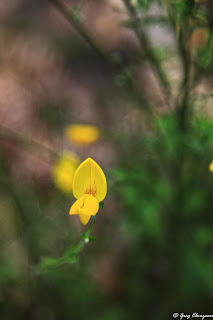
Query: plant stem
{"type": "Point", "coordinates": [77, 249]}
{"type": "Point", "coordinates": [118, 66]}
{"type": "Point", "coordinates": [6, 133]}
{"type": "Point", "coordinates": [70, 16]}
{"type": "Point", "coordinates": [182, 106]}
{"type": "Point", "coordinates": [89, 230]}
{"type": "Point", "coordinates": [155, 64]}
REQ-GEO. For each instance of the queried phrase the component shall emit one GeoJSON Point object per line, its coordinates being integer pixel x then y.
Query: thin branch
{"type": "Point", "coordinates": [117, 65]}
{"type": "Point", "coordinates": [70, 15]}
{"type": "Point", "coordinates": [69, 255]}
{"type": "Point", "coordinates": [8, 134]}
{"type": "Point", "coordinates": [155, 64]}
{"type": "Point", "coordinates": [182, 101]}
{"type": "Point", "coordinates": [183, 106]}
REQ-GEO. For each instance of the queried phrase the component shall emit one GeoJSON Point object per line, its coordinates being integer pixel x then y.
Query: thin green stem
{"type": "Point", "coordinates": [117, 65]}
{"type": "Point", "coordinates": [183, 101]}
{"type": "Point", "coordinates": [89, 230]}
{"type": "Point", "coordinates": [155, 64]}
{"type": "Point", "coordinates": [71, 254]}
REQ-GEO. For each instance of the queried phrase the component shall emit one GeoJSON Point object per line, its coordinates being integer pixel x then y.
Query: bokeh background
{"type": "Point", "coordinates": [129, 84]}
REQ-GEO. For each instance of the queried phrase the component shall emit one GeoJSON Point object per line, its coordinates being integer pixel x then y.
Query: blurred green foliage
{"type": "Point", "coordinates": [165, 204]}
{"type": "Point", "coordinates": [167, 199]}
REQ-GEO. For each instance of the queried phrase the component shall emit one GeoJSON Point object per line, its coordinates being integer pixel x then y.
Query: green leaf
{"type": "Point", "coordinates": [89, 238]}
{"type": "Point", "coordinates": [92, 239]}
{"type": "Point", "coordinates": [101, 205]}
{"type": "Point", "coordinates": [84, 235]}
{"type": "Point", "coordinates": [49, 262]}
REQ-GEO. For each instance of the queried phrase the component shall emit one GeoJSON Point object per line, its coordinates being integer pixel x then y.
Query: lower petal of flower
{"type": "Point", "coordinates": [87, 205]}
{"type": "Point", "coordinates": [84, 218]}
{"type": "Point", "coordinates": [90, 206]}
{"type": "Point", "coordinates": [78, 204]}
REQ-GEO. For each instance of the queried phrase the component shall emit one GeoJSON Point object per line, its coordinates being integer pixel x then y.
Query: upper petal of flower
{"type": "Point", "coordinates": [89, 179]}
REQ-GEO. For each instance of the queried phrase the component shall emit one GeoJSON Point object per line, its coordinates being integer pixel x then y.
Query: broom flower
{"type": "Point", "coordinates": [82, 134]}
{"type": "Point", "coordinates": [63, 171]}
{"type": "Point", "coordinates": [211, 166]}
{"type": "Point", "coordinates": [89, 188]}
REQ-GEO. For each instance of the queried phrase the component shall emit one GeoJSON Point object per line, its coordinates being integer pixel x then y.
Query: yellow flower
{"type": "Point", "coordinates": [89, 187]}
{"type": "Point", "coordinates": [63, 171]}
{"type": "Point", "coordinates": [211, 166]}
{"type": "Point", "coordinates": [82, 134]}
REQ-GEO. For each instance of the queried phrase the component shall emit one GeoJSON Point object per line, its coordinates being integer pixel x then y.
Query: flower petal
{"type": "Point", "coordinates": [91, 206]}
{"type": "Point", "coordinates": [84, 218]}
{"type": "Point", "coordinates": [78, 204]}
{"type": "Point", "coordinates": [90, 179]}
{"type": "Point", "coordinates": [87, 205]}
{"type": "Point", "coordinates": [63, 171]}
{"type": "Point", "coordinates": [211, 166]}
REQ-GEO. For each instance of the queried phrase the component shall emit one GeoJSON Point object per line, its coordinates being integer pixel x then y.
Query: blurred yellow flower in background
{"type": "Point", "coordinates": [89, 187]}
{"type": "Point", "coordinates": [63, 171]}
{"type": "Point", "coordinates": [211, 166]}
{"type": "Point", "coordinates": [82, 134]}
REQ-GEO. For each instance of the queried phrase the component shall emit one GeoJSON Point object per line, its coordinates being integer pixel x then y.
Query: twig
{"type": "Point", "coordinates": [70, 255]}
{"type": "Point", "coordinates": [6, 133]}
{"type": "Point", "coordinates": [183, 106]}
{"type": "Point", "coordinates": [117, 65]}
{"type": "Point", "coordinates": [71, 17]}
{"type": "Point", "coordinates": [156, 66]}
